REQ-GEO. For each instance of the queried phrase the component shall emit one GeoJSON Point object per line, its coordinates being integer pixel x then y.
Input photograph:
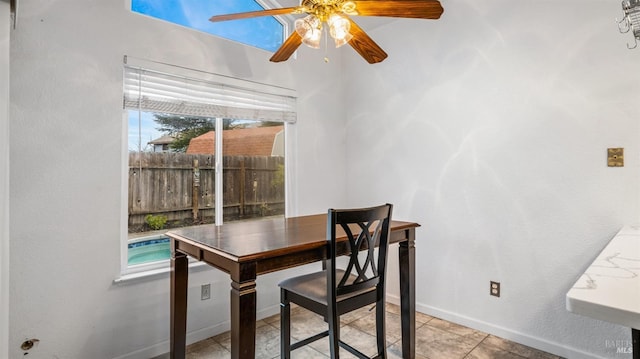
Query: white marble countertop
{"type": "Point", "coordinates": [609, 289]}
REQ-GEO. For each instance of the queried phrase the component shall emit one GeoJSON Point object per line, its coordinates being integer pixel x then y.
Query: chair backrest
{"type": "Point", "coordinates": [366, 229]}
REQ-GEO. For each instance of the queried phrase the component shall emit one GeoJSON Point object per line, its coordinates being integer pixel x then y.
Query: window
{"type": "Point", "coordinates": [264, 32]}
{"type": "Point", "coordinates": [201, 150]}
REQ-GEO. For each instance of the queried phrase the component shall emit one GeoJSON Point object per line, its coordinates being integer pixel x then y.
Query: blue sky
{"type": "Point", "coordinates": [263, 32]}
{"type": "Point", "coordinates": [147, 130]}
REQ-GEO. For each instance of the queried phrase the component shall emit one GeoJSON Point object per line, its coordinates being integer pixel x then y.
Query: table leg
{"type": "Point", "coordinates": [407, 262]}
{"type": "Point", "coordinates": [243, 319]}
{"type": "Point", "coordinates": [178, 326]}
{"type": "Point", "coordinates": [635, 342]}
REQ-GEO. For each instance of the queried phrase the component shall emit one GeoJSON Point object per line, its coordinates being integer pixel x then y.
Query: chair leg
{"type": "Point", "coordinates": [285, 326]}
{"type": "Point", "coordinates": [334, 333]}
{"type": "Point", "coordinates": [380, 329]}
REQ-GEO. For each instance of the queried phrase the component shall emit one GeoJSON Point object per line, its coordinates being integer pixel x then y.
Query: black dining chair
{"type": "Point", "coordinates": [355, 233]}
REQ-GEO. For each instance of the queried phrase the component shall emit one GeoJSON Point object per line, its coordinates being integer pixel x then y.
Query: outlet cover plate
{"type": "Point", "coordinates": [205, 292]}
{"type": "Point", "coordinates": [494, 288]}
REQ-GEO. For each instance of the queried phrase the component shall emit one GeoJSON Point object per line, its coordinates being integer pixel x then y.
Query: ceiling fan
{"type": "Point", "coordinates": [335, 14]}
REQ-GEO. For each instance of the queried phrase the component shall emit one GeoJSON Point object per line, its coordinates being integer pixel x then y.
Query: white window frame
{"type": "Point", "coordinates": [154, 268]}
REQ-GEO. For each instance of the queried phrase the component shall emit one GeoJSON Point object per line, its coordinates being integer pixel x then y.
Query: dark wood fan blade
{"type": "Point", "coordinates": [287, 49]}
{"type": "Point", "coordinates": [418, 9]}
{"type": "Point", "coordinates": [365, 46]}
{"type": "Point", "coordinates": [250, 14]}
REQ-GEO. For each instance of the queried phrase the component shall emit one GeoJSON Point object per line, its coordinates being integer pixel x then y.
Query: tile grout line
{"type": "Point", "coordinates": [492, 346]}
{"type": "Point", "coordinates": [474, 348]}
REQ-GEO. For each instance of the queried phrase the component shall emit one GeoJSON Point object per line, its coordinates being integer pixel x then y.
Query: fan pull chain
{"type": "Point", "coordinates": [326, 46]}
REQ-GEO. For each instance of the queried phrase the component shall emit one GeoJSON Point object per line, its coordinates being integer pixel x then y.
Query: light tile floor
{"type": "Point", "coordinates": [435, 339]}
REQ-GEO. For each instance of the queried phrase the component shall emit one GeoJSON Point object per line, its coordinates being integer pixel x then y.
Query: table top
{"type": "Point", "coordinates": [250, 240]}
{"type": "Point", "coordinates": [609, 289]}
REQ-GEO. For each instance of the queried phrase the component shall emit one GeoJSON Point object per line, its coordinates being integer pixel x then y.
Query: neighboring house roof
{"type": "Point", "coordinates": [164, 140]}
{"type": "Point", "coordinates": [256, 141]}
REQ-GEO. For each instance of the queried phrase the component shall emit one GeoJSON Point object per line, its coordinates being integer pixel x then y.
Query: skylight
{"type": "Point", "coordinates": [262, 32]}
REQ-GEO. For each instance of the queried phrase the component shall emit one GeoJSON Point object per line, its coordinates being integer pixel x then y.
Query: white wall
{"type": "Point", "coordinates": [490, 127]}
{"type": "Point", "coordinates": [4, 178]}
{"type": "Point", "coordinates": [66, 126]}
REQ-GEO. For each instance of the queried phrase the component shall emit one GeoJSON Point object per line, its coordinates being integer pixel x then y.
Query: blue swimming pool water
{"type": "Point", "coordinates": [150, 250]}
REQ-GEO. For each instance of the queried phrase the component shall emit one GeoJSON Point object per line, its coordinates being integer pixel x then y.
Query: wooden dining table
{"type": "Point", "coordinates": [247, 249]}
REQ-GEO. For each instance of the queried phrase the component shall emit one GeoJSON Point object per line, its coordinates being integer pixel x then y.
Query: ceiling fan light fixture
{"type": "Point", "coordinates": [310, 30]}
{"type": "Point", "coordinates": [335, 14]}
{"type": "Point", "coordinates": [339, 27]}
{"type": "Point", "coordinates": [343, 41]}
{"type": "Point", "coordinates": [349, 8]}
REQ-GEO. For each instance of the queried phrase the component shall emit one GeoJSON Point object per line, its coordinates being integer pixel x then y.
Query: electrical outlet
{"type": "Point", "coordinates": [494, 289]}
{"type": "Point", "coordinates": [205, 292]}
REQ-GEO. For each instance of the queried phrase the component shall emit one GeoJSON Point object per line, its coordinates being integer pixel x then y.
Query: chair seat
{"type": "Point", "coordinates": [314, 286]}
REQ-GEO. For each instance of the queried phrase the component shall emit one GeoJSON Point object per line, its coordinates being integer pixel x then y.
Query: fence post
{"type": "Point", "coordinates": [242, 186]}
{"type": "Point", "coordinates": [195, 188]}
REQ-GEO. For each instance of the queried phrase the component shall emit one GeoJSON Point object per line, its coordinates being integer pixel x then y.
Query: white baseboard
{"type": "Point", "coordinates": [521, 338]}
{"type": "Point", "coordinates": [193, 336]}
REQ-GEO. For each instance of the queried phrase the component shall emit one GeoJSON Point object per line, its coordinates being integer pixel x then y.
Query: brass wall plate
{"type": "Point", "coordinates": [615, 157]}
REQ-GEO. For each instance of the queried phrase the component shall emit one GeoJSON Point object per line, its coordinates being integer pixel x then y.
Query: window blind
{"type": "Point", "coordinates": [156, 91]}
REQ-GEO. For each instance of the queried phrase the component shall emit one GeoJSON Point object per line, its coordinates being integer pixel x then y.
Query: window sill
{"type": "Point", "coordinates": [153, 274]}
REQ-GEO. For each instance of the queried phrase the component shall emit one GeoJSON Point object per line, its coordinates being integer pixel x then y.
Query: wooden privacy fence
{"type": "Point", "coordinates": [181, 186]}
